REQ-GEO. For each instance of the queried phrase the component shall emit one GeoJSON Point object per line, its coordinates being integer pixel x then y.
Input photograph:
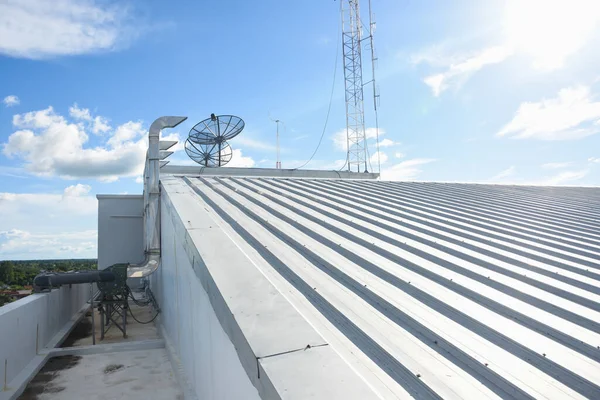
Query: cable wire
{"type": "Point", "coordinates": [139, 304]}
{"type": "Point", "coordinates": [373, 82]}
{"type": "Point", "coordinates": [337, 51]}
{"type": "Point", "coordinates": [345, 162]}
{"type": "Point", "coordinates": [142, 322]}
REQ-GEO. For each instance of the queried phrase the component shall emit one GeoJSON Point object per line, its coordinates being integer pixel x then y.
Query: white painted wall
{"type": "Point", "coordinates": [209, 361]}
{"type": "Point", "coordinates": [29, 324]}
{"type": "Point", "coordinates": [120, 229]}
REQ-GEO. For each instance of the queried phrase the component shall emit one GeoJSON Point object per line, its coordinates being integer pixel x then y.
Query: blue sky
{"type": "Point", "coordinates": [472, 91]}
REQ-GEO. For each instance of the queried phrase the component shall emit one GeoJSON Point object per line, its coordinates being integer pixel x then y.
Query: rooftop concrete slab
{"type": "Point", "coordinates": [82, 333]}
{"type": "Point", "coordinates": [128, 375]}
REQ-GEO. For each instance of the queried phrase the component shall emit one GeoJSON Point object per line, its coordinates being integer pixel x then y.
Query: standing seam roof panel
{"type": "Point", "coordinates": [346, 256]}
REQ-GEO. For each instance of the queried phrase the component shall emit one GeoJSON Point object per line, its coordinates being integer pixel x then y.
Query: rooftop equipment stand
{"type": "Point", "coordinates": [112, 301]}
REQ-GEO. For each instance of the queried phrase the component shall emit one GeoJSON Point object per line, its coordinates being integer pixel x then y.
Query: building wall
{"type": "Point", "coordinates": [28, 325]}
{"type": "Point", "coordinates": [120, 229]}
{"type": "Point", "coordinates": [206, 356]}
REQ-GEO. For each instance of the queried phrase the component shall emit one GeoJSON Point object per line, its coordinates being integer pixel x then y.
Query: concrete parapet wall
{"type": "Point", "coordinates": [30, 324]}
{"type": "Point", "coordinates": [265, 172]}
{"type": "Point", "coordinates": [207, 357]}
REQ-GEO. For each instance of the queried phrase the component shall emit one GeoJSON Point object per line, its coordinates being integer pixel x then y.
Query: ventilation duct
{"type": "Point", "coordinates": [156, 153]}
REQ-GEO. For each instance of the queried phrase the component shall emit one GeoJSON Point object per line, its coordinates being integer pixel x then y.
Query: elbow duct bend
{"type": "Point", "coordinates": [151, 261]}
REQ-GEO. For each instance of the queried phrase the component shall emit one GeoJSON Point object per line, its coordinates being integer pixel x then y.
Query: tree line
{"type": "Point", "coordinates": [19, 273]}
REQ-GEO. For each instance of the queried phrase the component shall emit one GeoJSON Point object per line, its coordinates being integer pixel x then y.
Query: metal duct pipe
{"type": "Point", "coordinates": [49, 280]}
{"type": "Point", "coordinates": [151, 200]}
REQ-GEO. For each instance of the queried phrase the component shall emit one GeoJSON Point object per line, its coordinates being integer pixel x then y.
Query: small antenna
{"type": "Point", "coordinates": [373, 82]}
{"type": "Point", "coordinates": [278, 162]}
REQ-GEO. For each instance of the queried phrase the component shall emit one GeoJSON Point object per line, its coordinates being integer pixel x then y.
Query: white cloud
{"type": "Point", "coordinates": [458, 72]}
{"type": "Point", "coordinates": [80, 113]}
{"type": "Point", "coordinates": [437, 55]}
{"type": "Point", "coordinates": [255, 144]}
{"type": "Point", "coordinates": [77, 190]}
{"type": "Point", "coordinates": [50, 145]}
{"type": "Point", "coordinates": [97, 124]}
{"type": "Point", "coordinates": [39, 28]}
{"type": "Point", "coordinates": [25, 205]}
{"type": "Point", "coordinates": [406, 170]}
{"type": "Point", "coordinates": [573, 114]}
{"type": "Point", "coordinates": [126, 133]}
{"type": "Point", "coordinates": [546, 31]}
{"type": "Point", "coordinates": [100, 125]}
{"type": "Point", "coordinates": [239, 160]}
{"type": "Point", "coordinates": [399, 155]}
{"type": "Point", "coordinates": [11, 100]}
{"type": "Point", "coordinates": [382, 157]}
{"type": "Point", "coordinates": [594, 160]}
{"type": "Point", "coordinates": [340, 141]}
{"type": "Point", "coordinates": [550, 31]}
{"type": "Point", "coordinates": [15, 244]}
{"type": "Point", "coordinates": [388, 143]}
{"type": "Point", "coordinates": [508, 172]}
{"type": "Point", "coordinates": [14, 172]}
{"type": "Point", "coordinates": [556, 165]}
{"type": "Point", "coordinates": [48, 225]}
{"type": "Point", "coordinates": [566, 177]}
{"type": "Point", "coordinates": [371, 133]}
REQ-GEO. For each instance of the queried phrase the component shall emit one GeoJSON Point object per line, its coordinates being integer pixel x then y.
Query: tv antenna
{"type": "Point", "coordinates": [207, 142]}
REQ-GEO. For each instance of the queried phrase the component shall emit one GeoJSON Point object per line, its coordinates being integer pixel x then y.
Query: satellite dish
{"type": "Point", "coordinates": [207, 141]}
{"type": "Point", "coordinates": [209, 155]}
{"type": "Point", "coordinates": [216, 129]}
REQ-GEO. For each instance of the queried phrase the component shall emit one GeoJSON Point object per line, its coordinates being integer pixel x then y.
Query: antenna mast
{"type": "Point", "coordinates": [355, 114]}
{"type": "Point", "coordinates": [375, 90]}
{"type": "Point", "coordinates": [278, 161]}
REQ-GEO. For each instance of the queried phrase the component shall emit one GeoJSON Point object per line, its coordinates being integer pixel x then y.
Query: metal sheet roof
{"type": "Point", "coordinates": [432, 290]}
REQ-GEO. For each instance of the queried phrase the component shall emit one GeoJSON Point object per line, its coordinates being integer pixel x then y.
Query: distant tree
{"type": "Point", "coordinates": [7, 272]}
{"type": "Point", "coordinates": [4, 299]}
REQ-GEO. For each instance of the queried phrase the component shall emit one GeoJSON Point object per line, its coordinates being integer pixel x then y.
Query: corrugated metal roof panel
{"type": "Point", "coordinates": [433, 290]}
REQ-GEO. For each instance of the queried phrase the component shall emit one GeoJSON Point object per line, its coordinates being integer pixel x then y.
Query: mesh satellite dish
{"type": "Point", "coordinates": [216, 128]}
{"type": "Point", "coordinates": [207, 142]}
{"type": "Point", "coordinates": [209, 155]}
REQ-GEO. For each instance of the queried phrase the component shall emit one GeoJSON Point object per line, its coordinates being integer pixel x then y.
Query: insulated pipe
{"type": "Point", "coordinates": [50, 280]}
{"type": "Point", "coordinates": [151, 200]}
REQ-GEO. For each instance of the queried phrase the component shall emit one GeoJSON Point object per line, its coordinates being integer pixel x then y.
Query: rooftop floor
{"type": "Point", "coordinates": [134, 374]}
{"type": "Point", "coordinates": [82, 334]}
{"type": "Point", "coordinates": [138, 374]}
